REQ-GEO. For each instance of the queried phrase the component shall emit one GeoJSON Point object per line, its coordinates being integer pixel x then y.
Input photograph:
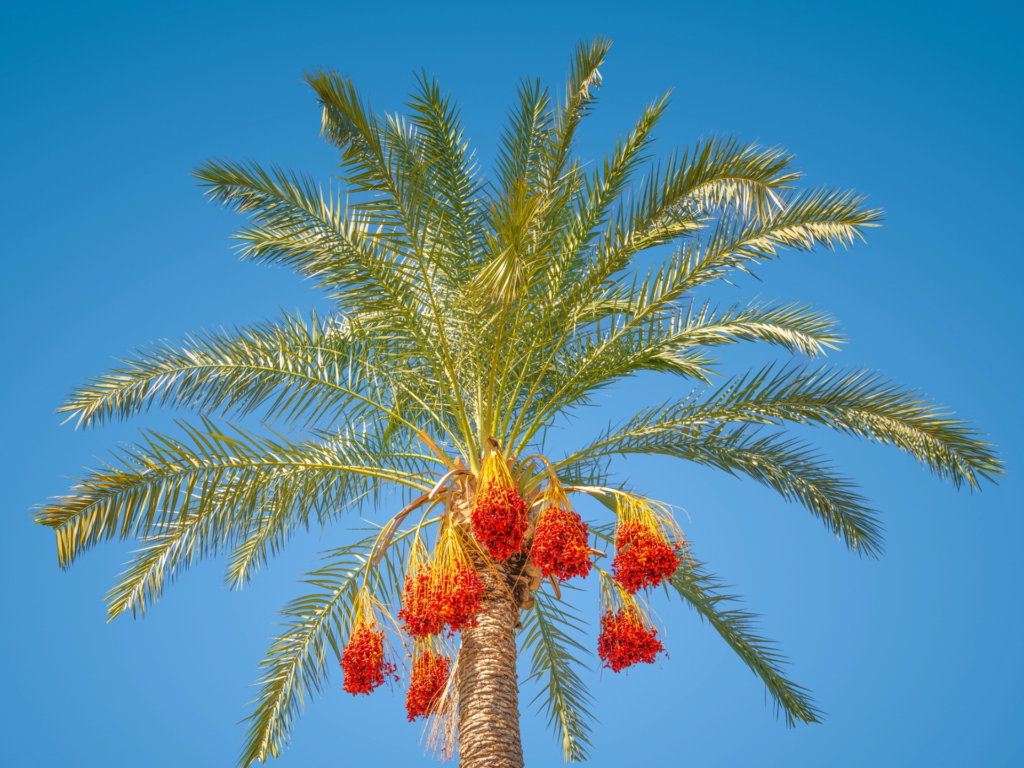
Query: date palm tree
{"type": "Point", "coordinates": [469, 315]}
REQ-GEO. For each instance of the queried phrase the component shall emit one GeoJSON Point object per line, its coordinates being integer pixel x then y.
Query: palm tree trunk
{"type": "Point", "coordinates": [487, 684]}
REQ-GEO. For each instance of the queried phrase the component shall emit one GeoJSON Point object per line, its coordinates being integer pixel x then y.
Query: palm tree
{"type": "Point", "coordinates": [469, 315]}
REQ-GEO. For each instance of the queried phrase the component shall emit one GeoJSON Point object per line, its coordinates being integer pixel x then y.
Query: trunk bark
{"type": "Point", "coordinates": [488, 686]}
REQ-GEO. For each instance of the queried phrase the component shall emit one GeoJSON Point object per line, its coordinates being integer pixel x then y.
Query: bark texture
{"type": "Point", "coordinates": [488, 685]}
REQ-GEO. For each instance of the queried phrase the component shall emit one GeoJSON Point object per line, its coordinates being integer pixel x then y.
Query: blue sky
{"type": "Point", "coordinates": [109, 245]}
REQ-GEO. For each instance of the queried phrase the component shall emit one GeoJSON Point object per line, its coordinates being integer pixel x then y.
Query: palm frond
{"type": "Point", "coordinates": [296, 664]}
{"type": "Point", "coordinates": [263, 537]}
{"type": "Point", "coordinates": [823, 217]}
{"type": "Point", "coordinates": [852, 402]}
{"type": "Point", "coordinates": [667, 345]}
{"type": "Point", "coordinates": [295, 667]}
{"type": "Point", "coordinates": [171, 549]}
{"type": "Point", "coordinates": [723, 173]}
{"type": "Point", "coordinates": [213, 473]}
{"type": "Point", "coordinates": [606, 184]}
{"type": "Point", "coordinates": [867, 405]}
{"type": "Point", "coordinates": [791, 326]}
{"type": "Point", "coordinates": [563, 695]}
{"type": "Point", "coordinates": [318, 371]}
{"type": "Point", "coordinates": [299, 225]}
{"type": "Point", "coordinates": [380, 160]}
{"type": "Point", "coordinates": [349, 124]}
{"type": "Point", "coordinates": [584, 79]}
{"type": "Point", "coordinates": [787, 466]}
{"type": "Point", "coordinates": [703, 592]}
{"type": "Point", "coordinates": [446, 155]}
{"type": "Point", "coordinates": [519, 205]}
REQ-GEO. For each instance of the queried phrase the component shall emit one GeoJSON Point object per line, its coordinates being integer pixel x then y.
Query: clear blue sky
{"type": "Point", "coordinates": [108, 245]}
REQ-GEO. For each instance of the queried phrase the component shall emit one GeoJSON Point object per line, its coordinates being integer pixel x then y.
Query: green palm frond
{"type": "Point", "coordinates": [821, 217]}
{"type": "Point", "coordinates": [453, 175]}
{"type": "Point", "coordinates": [171, 549]}
{"type": "Point", "coordinates": [296, 665]}
{"type": "Point", "coordinates": [854, 402]}
{"type": "Point", "coordinates": [323, 370]}
{"type": "Point", "coordinates": [826, 218]}
{"type": "Point", "coordinates": [522, 246]}
{"type": "Point", "coordinates": [519, 206]}
{"type": "Point", "coordinates": [787, 466]}
{"type": "Point", "coordinates": [867, 405]}
{"type": "Point", "coordinates": [299, 225]}
{"type": "Point", "coordinates": [669, 345]}
{"type": "Point", "coordinates": [290, 368]}
{"type": "Point", "coordinates": [564, 697]}
{"type": "Point", "coordinates": [790, 326]}
{"type": "Point", "coordinates": [213, 473]}
{"type": "Point", "coordinates": [263, 537]}
{"type": "Point", "coordinates": [703, 592]}
{"type": "Point", "coordinates": [584, 79]}
{"type": "Point", "coordinates": [680, 199]}
{"type": "Point", "coordinates": [722, 173]}
{"type": "Point", "coordinates": [379, 158]}
{"type": "Point", "coordinates": [174, 546]}
{"type": "Point", "coordinates": [606, 184]}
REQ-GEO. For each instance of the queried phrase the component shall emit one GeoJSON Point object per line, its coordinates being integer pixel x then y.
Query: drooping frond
{"type": "Point", "coordinates": [703, 592]}
{"type": "Point", "coordinates": [226, 476]}
{"type": "Point", "coordinates": [722, 173]}
{"type": "Point", "coordinates": [785, 465]}
{"type": "Point", "coordinates": [867, 405]}
{"type": "Point", "coordinates": [173, 548]}
{"type": "Point", "coordinates": [263, 537]}
{"type": "Point", "coordinates": [296, 665]}
{"type": "Point", "coordinates": [564, 697]}
{"type": "Point", "coordinates": [790, 326]}
{"type": "Point", "coordinates": [854, 402]}
{"type": "Point", "coordinates": [826, 218]}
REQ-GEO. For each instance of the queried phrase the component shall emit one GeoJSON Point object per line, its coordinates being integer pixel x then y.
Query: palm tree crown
{"type": "Point", "coordinates": [469, 314]}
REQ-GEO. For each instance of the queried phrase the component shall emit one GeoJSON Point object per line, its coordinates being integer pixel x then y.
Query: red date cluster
{"type": "Point", "coordinates": [625, 640]}
{"type": "Point", "coordinates": [432, 599]}
{"type": "Point", "coordinates": [429, 677]}
{"type": "Point", "coordinates": [643, 559]}
{"type": "Point", "coordinates": [560, 544]}
{"type": "Point", "coordinates": [500, 520]}
{"type": "Point", "coordinates": [363, 661]}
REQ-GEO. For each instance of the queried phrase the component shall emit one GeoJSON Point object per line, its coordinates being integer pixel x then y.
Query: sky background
{"type": "Point", "coordinates": [108, 245]}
